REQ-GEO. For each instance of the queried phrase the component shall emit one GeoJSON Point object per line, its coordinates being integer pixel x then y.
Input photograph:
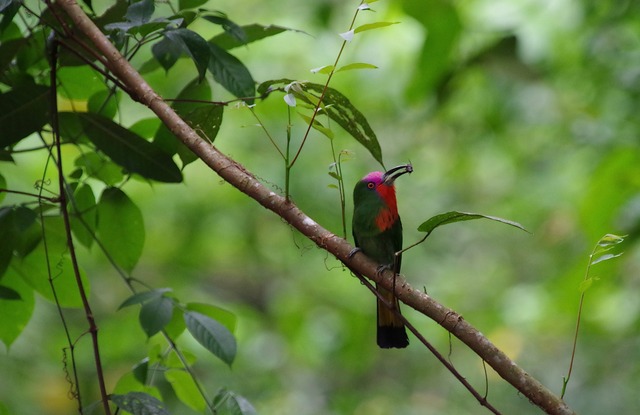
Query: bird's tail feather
{"type": "Point", "coordinates": [391, 330]}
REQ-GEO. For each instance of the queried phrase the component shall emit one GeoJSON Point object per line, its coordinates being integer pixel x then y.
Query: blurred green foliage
{"type": "Point", "coordinates": [520, 109]}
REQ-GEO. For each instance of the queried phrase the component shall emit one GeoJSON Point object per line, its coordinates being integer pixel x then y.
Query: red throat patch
{"type": "Point", "coordinates": [388, 215]}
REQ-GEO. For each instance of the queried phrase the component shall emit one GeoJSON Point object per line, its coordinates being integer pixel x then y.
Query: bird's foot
{"type": "Point", "coordinates": [383, 268]}
{"type": "Point", "coordinates": [353, 252]}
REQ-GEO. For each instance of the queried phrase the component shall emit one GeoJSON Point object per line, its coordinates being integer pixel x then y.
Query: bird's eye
{"type": "Point", "coordinates": [371, 185]}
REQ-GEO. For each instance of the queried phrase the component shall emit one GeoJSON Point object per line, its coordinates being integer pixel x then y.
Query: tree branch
{"type": "Point", "coordinates": [236, 175]}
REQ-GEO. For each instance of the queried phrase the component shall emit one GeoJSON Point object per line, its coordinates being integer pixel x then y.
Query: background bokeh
{"type": "Point", "coordinates": [522, 109]}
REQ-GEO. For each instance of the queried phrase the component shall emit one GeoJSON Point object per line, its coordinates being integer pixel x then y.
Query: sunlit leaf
{"type": "Point", "coordinates": [100, 167]}
{"type": "Point", "coordinates": [610, 240]}
{"type": "Point", "coordinates": [587, 283]}
{"type": "Point", "coordinates": [317, 125]}
{"type": "Point", "coordinates": [139, 403]}
{"type": "Point", "coordinates": [451, 217]}
{"type": "Point", "coordinates": [604, 257]}
{"type": "Point", "coordinates": [120, 227]}
{"type": "Point", "coordinates": [326, 69]}
{"type": "Point", "coordinates": [186, 390]}
{"type": "Point", "coordinates": [371, 26]}
{"type": "Point", "coordinates": [357, 65]}
{"type": "Point", "coordinates": [212, 335]}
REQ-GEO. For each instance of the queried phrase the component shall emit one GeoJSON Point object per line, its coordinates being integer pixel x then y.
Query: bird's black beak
{"type": "Point", "coordinates": [391, 175]}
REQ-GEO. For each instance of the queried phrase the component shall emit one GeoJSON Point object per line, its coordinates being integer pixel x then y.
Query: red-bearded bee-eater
{"type": "Point", "coordinates": [377, 232]}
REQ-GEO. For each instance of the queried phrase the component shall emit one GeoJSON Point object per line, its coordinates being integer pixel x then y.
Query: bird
{"type": "Point", "coordinates": [377, 233]}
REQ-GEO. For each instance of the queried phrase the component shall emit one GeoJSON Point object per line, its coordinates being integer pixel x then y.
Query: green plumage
{"type": "Point", "coordinates": [377, 231]}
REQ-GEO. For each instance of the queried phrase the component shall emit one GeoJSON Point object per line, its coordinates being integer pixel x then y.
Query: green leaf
{"type": "Point", "coordinates": [194, 45]}
{"type": "Point", "coordinates": [35, 268]}
{"type": "Point", "coordinates": [167, 52]}
{"type": "Point", "coordinates": [451, 217]}
{"type": "Point", "coordinates": [190, 4]}
{"type": "Point", "coordinates": [104, 103]}
{"type": "Point", "coordinates": [229, 72]}
{"type": "Point", "coordinates": [141, 297]}
{"type": "Point", "coordinates": [221, 315]}
{"type": "Point", "coordinates": [212, 335]}
{"type": "Point", "coordinates": [253, 32]}
{"type": "Point", "coordinates": [317, 125]}
{"type": "Point", "coordinates": [120, 227]}
{"type": "Point", "coordinates": [139, 403]}
{"type": "Point", "coordinates": [206, 121]}
{"type": "Point", "coordinates": [234, 404]}
{"type": "Point", "coordinates": [99, 167]}
{"type": "Point", "coordinates": [587, 283]}
{"type": "Point", "coordinates": [371, 26]}
{"type": "Point", "coordinates": [15, 313]}
{"type": "Point", "coordinates": [83, 214]}
{"type": "Point", "coordinates": [604, 257]}
{"type": "Point", "coordinates": [326, 69]}
{"type": "Point", "coordinates": [140, 370]}
{"type": "Point", "coordinates": [610, 240]}
{"type": "Point", "coordinates": [140, 12]}
{"type": "Point", "coordinates": [23, 110]}
{"type": "Point", "coordinates": [231, 28]}
{"type": "Point", "coordinates": [186, 390]}
{"type": "Point", "coordinates": [338, 108]}
{"type": "Point", "coordinates": [357, 65]}
{"type": "Point", "coordinates": [156, 314]}
{"type": "Point", "coordinates": [78, 83]}
{"type": "Point", "coordinates": [130, 150]}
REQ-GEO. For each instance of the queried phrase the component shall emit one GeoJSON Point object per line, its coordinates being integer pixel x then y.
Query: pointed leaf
{"type": "Point", "coordinates": [140, 12]}
{"type": "Point", "coordinates": [451, 217]}
{"type": "Point", "coordinates": [139, 403]}
{"type": "Point", "coordinates": [229, 72]}
{"type": "Point", "coordinates": [139, 298]}
{"type": "Point", "coordinates": [100, 167]}
{"type": "Point", "coordinates": [326, 69]}
{"type": "Point", "coordinates": [186, 390]}
{"type": "Point", "coordinates": [130, 150]}
{"type": "Point", "coordinates": [337, 107]}
{"type": "Point", "coordinates": [167, 52]}
{"type": "Point", "coordinates": [212, 335]}
{"type": "Point", "coordinates": [238, 405]}
{"type": "Point", "coordinates": [8, 293]}
{"type": "Point", "coordinates": [604, 257]}
{"type": "Point", "coordinates": [252, 32]}
{"type": "Point", "coordinates": [357, 65]}
{"type": "Point", "coordinates": [156, 314]}
{"type": "Point", "coordinates": [221, 315]}
{"type": "Point", "coordinates": [370, 26]}
{"type": "Point", "coordinates": [317, 125]}
{"type": "Point", "coordinates": [586, 284]}
{"type": "Point", "coordinates": [231, 28]}
{"type": "Point", "coordinates": [120, 227]}
{"type": "Point", "coordinates": [610, 240]}
{"type": "Point", "coordinates": [23, 110]}
{"type": "Point", "coordinates": [206, 120]}
{"type": "Point", "coordinates": [194, 45]}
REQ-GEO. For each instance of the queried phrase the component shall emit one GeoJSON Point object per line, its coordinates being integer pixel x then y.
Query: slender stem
{"type": "Point", "coordinates": [565, 380]}
{"type": "Point", "coordinates": [287, 166]}
{"type": "Point", "coordinates": [93, 328]}
{"type": "Point", "coordinates": [324, 91]}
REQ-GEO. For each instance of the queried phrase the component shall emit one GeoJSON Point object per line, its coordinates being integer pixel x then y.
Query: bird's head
{"type": "Point", "coordinates": [376, 191]}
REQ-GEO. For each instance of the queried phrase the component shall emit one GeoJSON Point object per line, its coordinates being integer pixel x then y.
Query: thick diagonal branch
{"type": "Point", "coordinates": [247, 183]}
